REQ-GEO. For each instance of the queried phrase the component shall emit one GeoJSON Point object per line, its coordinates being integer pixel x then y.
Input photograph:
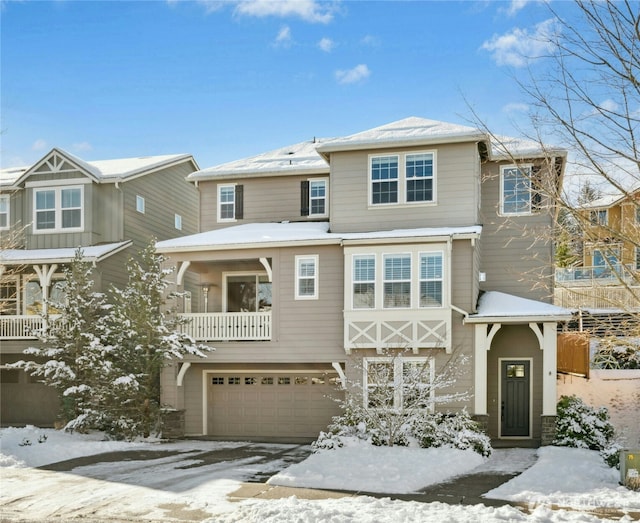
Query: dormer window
{"type": "Point", "coordinates": [58, 209]}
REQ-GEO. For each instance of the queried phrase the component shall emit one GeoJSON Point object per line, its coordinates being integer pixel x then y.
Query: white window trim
{"type": "Point", "coordinates": [219, 202]}
{"type": "Point", "coordinates": [522, 168]}
{"type": "Point", "coordinates": [141, 204]}
{"type": "Point", "coordinates": [177, 221]}
{"type": "Point", "coordinates": [57, 208]}
{"type": "Point", "coordinates": [441, 280]}
{"type": "Point", "coordinates": [227, 274]}
{"type": "Point", "coordinates": [402, 180]}
{"type": "Point", "coordinates": [326, 198]}
{"type": "Point", "coordinates": [597, 222]}
{"type": "Point", "coordinates": [375, 280]}
{"type": "Point", "coordinates": [7, 198]}
{"type": "Point", "coordinates": [411, 278]}
{"type": "Point", "coordinates": [298, 260]}
{"type": "Point", "coordinates": [398, 373]}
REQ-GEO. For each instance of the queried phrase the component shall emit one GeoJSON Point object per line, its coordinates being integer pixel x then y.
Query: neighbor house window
{"type": "Point", "coordinates": [599, 217]}
{"type": "Point", "coordinates": [58, 209]}
{"type": "Point", "coordinates": [515, 190]}
{"type": "Point", "coordinates": [431, 279]}
{"type": "Point", "coordinates": [364, 281]}
{"type": "Point", "coordinates": [140, 204]}
{"type": "Point", "coordinates": [606, 262]}
{"type": "Point", "coordinates": [177, 222]}
{"type": "Point", "coordinates": [306, 277]}
{"type": "Point", "coordinates": [317, 198]}
{"type": "Point", "coordinates": [384, 179]}
{"type": "Point", "coordinates": [419, 177]}
{"type": "Point", "coordinates": [637, 258]}
{"type": "Point", "coordinates": [397, 281]}
{"type": "Point", "coordinates": [399, 383]}
{"type": "Point", "coordinates": [227, 203]}
{"type": "Point", "coordinates": [4, 211]}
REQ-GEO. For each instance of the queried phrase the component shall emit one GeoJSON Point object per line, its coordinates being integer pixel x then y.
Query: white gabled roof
{"type": "Point", "coordinates": [94, 253]}
{"type": "Point", "coordinates": [105, 171]}
{"type": "Point", "coordinates": [300, 158]}
{"type": "Point", "coordinates": [253, 235]}
{"type": "Point", "coordinates": [494, 306]}
{"type": "Point", "coordinates": [406, 132]}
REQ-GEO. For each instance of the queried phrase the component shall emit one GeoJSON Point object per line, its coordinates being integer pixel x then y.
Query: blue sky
{"type": "Point", "coordinates": [225, 80]}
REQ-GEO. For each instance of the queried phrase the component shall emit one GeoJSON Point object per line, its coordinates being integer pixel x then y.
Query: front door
{"type": "Point", "coordinates": [515, 405]}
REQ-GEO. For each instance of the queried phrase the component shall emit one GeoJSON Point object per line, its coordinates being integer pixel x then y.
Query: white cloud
{"type": "Point", "coordinates": [370, 40]}
{"type": "Point", "coordinates": [518, 47]}
{"type": "Point", "coordinates": [351, 76]}
{"type": "Point", "coordinates": [515, 107]}
{"type": "Point", "coordinates": [609, 106]}
{"type": "Point", "coordinates": [39, 145]}
{"type": "Point", "coordinates": [284, 36]}
{"type": "Point", "coordinates": [513, 7]}
{"type": "Point", "coordinates": [326, 44]}
{"type": "Point", "coordinates": [308, 10]}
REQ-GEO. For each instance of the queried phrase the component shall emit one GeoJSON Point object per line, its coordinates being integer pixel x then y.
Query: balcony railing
{"type": "Point", "coordinates": [228, 326]}
{"type": "Point", "coordinates": [582, 276]}
{"type": "Point", "coordinates": [22, 327]}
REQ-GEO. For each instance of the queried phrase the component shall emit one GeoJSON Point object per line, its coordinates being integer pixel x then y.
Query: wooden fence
{"type": "Point", "coordinates": [573, 353]}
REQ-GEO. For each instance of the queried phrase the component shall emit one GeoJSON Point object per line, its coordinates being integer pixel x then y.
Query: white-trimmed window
{"type": "Point", "coordinates": [599, 217]}
{"type": "Point", "coordinates": [397, 281]}
{"type": "Point", "coordinates": [399, 382]}
{"type": "Point", "coordinates": [431, 279]}
{"type": "Point", "coordinates": [318, 197]}
{"type": "Point", "coordinates": [515, 192]}
{"type": "Point", "coordinates": [399, 179]}
{"type": "Point", "coordinates": [58, 209]}
{"type": "Point", "coordinates": [9, 299]}
{"type": "Point", "coordinates": [4, 211]}
{"type": "Point", "coordinates": [307, 277]}
{"type": "Point", "coordinates": [177, 221]}
{"type": "Point", "coordinates": [226, 203]}
{"type": "Point", "coordinates": [364, 281]}
{"type": "Point", "coordinates": [140, 204]}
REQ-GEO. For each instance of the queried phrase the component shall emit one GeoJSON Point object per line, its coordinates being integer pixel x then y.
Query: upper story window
{"type": "Point", "coordinates": [402, 179]}
{"type": "Point", "coordinates": [140, 204]}
{"type": "Point", "coordinates": [515, 183]}
{"type": "Point", "coordinates": [599, 217]}
{"type": "Point", "coordinates": [177, 221]}
{"type": "Point", "coordinates": [230, 206]}
{"type": "Point", "coordinates": [317, 197]}
{"type": "Point", "coordinates": [397, 280]}
{"type": "Point", "coordinates": [307, 277]}
{"type": "Point", "coordinates": [364, 281]}
{"type": "Point", "coordinates": [58, 209]}
{"type": "Point", "coordinates": [4, 211]}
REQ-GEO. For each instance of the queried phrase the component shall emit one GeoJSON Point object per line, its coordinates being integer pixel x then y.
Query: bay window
{"type": "Point", "coordinates": [431, 279]}
{"type": "Point", "coordinates": [364, 282]}
{"type": "Point", "coordinates": [397, 281]}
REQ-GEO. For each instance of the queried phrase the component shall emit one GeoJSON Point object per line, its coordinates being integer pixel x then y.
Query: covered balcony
{"type": "Point", "coordinates": [228, 326]}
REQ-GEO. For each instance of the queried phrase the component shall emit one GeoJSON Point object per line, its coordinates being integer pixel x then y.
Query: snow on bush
{"type": "Point", "coordinates": [580, 426]}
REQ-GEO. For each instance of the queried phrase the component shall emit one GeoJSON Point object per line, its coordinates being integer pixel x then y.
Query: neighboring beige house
{"type": "Point", "coordinates": [608, 276]}
{"type": "Point", "coordinates": [317, 257]}
{"type": "Point", "coordinates": [111, 209]}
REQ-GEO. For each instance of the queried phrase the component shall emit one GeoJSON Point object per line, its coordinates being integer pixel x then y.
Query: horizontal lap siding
{"type": "Point", "coordinates": [456, 185]}
{"type": "Point", "coordinates": [464, 277]}
{"type": "Point", "coordinates": [166, 193]}
{"type": "Point", "coordinates": [516, 251]}
{"type": "Point", "coordinates": [272, 199]}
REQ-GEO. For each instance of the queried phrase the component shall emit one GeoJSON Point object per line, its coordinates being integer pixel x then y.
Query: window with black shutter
{"type": "Point", "coordinates": [304, 198]}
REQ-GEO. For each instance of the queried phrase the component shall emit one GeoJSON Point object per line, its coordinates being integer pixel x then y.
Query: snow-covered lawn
{"type": "Point", "coordinates": [177, 488]}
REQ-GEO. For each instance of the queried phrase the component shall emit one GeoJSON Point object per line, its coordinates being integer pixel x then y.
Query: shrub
{"type": "Point", "coordinates": [580, 426]}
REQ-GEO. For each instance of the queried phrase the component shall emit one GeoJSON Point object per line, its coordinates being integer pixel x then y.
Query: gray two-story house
{"type": "Point", "coordinates": [110, 209]}
{"type": "Point", "coordinates": [318, 258]}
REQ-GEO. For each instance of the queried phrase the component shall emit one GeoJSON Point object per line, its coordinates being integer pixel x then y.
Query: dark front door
{"type": "Point", "coordinates": [515, 398]}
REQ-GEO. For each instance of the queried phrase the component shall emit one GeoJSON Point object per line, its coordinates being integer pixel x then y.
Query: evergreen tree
{"type": "Point", "coordinates": [73, 358]}
{"type": "Point", "coordinates": [145, 335]}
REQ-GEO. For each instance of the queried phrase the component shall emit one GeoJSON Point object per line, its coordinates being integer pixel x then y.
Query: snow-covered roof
{"type": "Point", "coordinates": [500, 307]}
{"type": "Point", "coordinates": [63, 255]}
{"type": "Point", "coordinates": [406, 132]}
{"type": "Point", "coordinates": [286, 234]}
{"type": "Point", "coordinates": [9, 175]}
{"type": "Point", "coordinates": [608, 200]}
{"type": "Point", "coordinates": [300, 158]}
{"type": "Point", "coordinates": [101, 170]}
{"type": "Point", "coordinates": [508, 147]}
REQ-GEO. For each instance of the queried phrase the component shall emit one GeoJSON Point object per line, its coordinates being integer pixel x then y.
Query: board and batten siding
{"type": "Point", "coordinates": [517, 252]}
{"type": "Point", "coordinates": [457, 175]}
{"type": "Point", "coordinates": [270, 199]}
{"type": "Point", "coordinates": [166, 193]}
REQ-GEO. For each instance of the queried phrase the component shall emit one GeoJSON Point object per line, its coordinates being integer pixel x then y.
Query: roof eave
{"type": "Point", "coordinates": [241, 175]}
{"type": "Point", "coordinates": [247, 246]}
{"type": "Point", "coordinates": [533, 318]}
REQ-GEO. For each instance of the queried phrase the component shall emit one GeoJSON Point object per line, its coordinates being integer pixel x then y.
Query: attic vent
{"type": "Point", "coordinates": [291, 152]}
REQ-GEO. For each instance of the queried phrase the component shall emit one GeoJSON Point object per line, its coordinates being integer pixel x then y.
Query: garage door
{"type": "Point", "coordinates": [260, 405]}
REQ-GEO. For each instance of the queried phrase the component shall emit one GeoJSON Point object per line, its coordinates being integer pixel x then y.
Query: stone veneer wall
{"type": "Point", "coordinates": [172, 424]}
{"type": "Point", "coordinates": [548, 430]}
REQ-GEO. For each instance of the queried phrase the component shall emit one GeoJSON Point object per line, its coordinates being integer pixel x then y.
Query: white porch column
{"type": "Point", "coordinates": [480, 370]}
{"type": "Point", "coordinates": [549, 369]}
{"type": "Point", "coordinates": [45, 273]}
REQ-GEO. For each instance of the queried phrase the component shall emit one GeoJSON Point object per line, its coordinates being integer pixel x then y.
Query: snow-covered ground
{"type": "Point", "coordinates": [176, 487]}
